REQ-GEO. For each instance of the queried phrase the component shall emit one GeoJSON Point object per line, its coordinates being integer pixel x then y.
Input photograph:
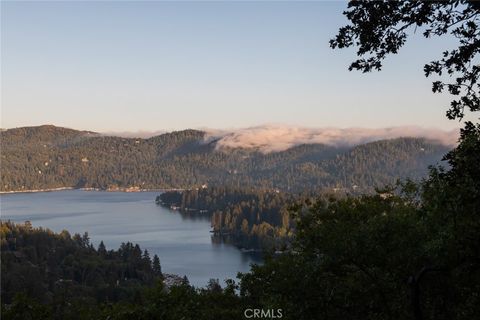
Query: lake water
{"type": "Point", "coordinates": [184, 245]}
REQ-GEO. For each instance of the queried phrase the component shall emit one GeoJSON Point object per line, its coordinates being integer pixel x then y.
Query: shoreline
{"type": "Point", "coordinates": [37, 190]}
{"type": "Point", "coordinates": [127, 190]}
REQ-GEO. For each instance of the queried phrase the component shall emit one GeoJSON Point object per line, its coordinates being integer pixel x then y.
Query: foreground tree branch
{"type": "Point", "coordinates": [380, 28]}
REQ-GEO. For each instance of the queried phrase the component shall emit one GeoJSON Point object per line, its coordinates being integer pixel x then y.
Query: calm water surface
{"type": "Point", "coordinates": [184, 245]}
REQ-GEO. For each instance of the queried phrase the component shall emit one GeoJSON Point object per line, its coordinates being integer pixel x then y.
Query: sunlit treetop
{"type": "Point", "coordinates": [379, 28]}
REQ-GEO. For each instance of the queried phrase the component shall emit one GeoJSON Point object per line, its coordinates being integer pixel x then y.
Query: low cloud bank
{"type": "Point", "coordinates": [279, 138]}
{"type": "Point", "coordinates": [274, 138]}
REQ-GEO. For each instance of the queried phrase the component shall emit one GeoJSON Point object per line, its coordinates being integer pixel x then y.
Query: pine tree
{"type": "Point", "coordinates": [85, 240]}
{"type": "Point", "coordinates": [146, 260]}
{"type": "Point", "coordinates": [157, 269]}
{"type": "Point", "coordinates": [101, 249]}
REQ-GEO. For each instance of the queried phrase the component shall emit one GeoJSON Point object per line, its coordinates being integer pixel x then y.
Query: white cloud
{"type": "Point", "coordinates": [271, 138]}
{"type": "Point", "coordinates": [274, 138]}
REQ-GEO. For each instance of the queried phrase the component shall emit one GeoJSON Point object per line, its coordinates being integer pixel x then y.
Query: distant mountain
{"type": "Point", "coordinates": [47, 157]}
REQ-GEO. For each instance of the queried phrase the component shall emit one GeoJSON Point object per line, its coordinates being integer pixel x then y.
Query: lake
{"type": "Point", "coordinates": [184, 245]}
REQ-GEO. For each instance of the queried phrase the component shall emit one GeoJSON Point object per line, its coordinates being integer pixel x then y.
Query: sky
{"type": "Point", "coordinates": [162, 66]}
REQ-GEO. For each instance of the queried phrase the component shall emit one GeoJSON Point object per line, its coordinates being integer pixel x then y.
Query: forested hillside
{"type": "Point", "coordinates": [48, 157]}
{"type": "Point", "coordinates": [60, 268]}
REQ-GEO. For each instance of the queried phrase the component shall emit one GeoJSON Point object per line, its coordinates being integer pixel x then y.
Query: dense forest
{"type": "Point", "coordinates": [48, 157]}
{"type": "Point", "coordinates": [55, 267]}
{"type": "Point", "coordinates": [253, 219]}
{"type": "Point", "coordinates": [410, 253]}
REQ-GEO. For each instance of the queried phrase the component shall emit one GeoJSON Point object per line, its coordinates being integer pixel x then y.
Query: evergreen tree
{"type": "Point", "coordinates": [101, 249]}
{"type": "Point", "coordinates": [157, 269]}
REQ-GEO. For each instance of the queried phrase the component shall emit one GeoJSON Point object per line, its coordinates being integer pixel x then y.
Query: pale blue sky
{"type": "Point", "coordinates": [128, 66]}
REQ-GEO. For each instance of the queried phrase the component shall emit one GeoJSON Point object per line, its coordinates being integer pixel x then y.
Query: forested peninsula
{"type": "Point", "coordinates": [248, 218]}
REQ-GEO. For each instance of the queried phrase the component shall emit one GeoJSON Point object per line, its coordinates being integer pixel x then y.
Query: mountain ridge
{"type": "Point", "coordinates": [45, 157]}
{"type": "Point", "coordinates": [271, 134]}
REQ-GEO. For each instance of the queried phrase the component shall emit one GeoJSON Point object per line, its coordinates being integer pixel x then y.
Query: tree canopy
{"type": "Point", "coordinates": [380, 28]}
